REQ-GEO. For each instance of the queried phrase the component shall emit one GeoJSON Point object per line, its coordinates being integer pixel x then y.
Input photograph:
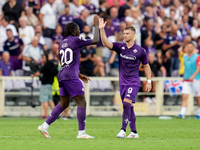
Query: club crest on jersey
{"type": "Point", "coordinates": [123, 48]}
{"type": "Point", "coordinates": [135, 50]}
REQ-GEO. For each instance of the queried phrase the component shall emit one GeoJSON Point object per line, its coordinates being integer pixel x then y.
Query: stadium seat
{"type": "Point", "coordinates": [105, 85]}
{"type": "Point", "coordinates": [8, 85]}
{"type": "Point", "coordinates": [94, 87]}
{"type": "Point", "coordinates": [96, 100]}
{"type": "Point", "coordinates": [18, 72]}
{"type": "Point", "coordinates": [107, 100]}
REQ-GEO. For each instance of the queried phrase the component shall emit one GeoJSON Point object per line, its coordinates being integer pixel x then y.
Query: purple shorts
{"type": "Point", "coordinates": [15, 63]}
{"type": "Point", "coordinates": [129, 92]}
{"type": "Point", "coordinates": [71, 87]}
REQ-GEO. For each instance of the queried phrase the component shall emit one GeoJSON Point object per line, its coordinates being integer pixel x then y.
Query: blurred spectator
{"type": "Point", "coordinates": [58, 37]}
{"type": "Point", "coordinates": [47, 73]}
{"type": "Point", "coordinates": [186, 11]}
{"type": "Point", "coordinates": [31, 51]}
{"type": "Point", "coordinates": [161, 17]}
{"type": "Point", "coordinates": [35, 4]}
{"type": "Point", "coordinates": [2, 2]}
{"type": "Point", "coordinates": [38, 33]}
{"type": "Point", "coordinates": [5, 65]}
{"type": "Point", "coordinates": [55, 51]}
{"type": "Point", "coordinates": [185, 27]}
{"type": "Point", "coordinates": [137, 23]}
{"type": "Point", "coordinates": [87, 59]}
{"type": "Point", "coordinates": [13, 10]}
{"type": "Point", "coordinates": [114, 64]}
{"type": "Point", "coordinates": [122, 9]}
{"type": "Point", "coordinates": [149, 33]}
{"type": "Point", "coordinates": [31, 19]}
{"type": "Point", "coordinates": [91, 7]}
{"type": "Point", "coordinates": [172, 41]}
{"type": "Point", "coordinates": [7, 25]}
{"type": "Point", "coordinates": [150, 13]}
{"type": "Point", "coordinates": [179, 8]}
{"type": "Point", "coordinates": [91, 64]}
{"type": "Point", "coordinates": [114, 15]}
{"type": "Point", "coordinates": [65, 18]}
{"type": "Point", "coordinates": [47, 18]}
{"type": "Point", "coordinates": [14, 45]}
{"type": "Point", "coordinates": [87, 32]}
{"type": "Point", "coordinates": [109, 28]}
{"type": "Point", "coordinates": [26, 33]}
{"type": "Point", "coordinates": [3, 36]}
{"type": "Point", "coordinates": [81, 20]}
{"type": "Point", "coordinates": [155, 68]}
{"type": "Point", "coordinates": [195, 30]}
{"type": "Point", "coordinates": [159, 37]}
{"type": "Point", "coordinates": [181, 52]}
{"type": "Point", "coordinates": [167, 62]}
{"type": "Point", "coordinates": [103, 5]}
{"type": "Point", "coordinates": [113, 2]}
{"type": "Point", "coordinates": [127, 13]}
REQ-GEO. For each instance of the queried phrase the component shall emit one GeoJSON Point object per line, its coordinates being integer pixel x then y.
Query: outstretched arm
{"type": "Point", "coordinates": [96, 31]}
{"type": "Point", "coordinates": [103, 34]}
{"type": "Point", "coordinates": [147, 71]}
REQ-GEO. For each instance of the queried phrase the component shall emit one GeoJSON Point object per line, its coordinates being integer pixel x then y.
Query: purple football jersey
{"type": "Point", "coordinates": [69, 54]}
{"type": "Point", "coordinates": [129, 62]}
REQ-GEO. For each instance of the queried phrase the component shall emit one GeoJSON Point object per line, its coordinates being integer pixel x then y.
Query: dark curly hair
{"type": "Point", "coordinates": [71, 29]}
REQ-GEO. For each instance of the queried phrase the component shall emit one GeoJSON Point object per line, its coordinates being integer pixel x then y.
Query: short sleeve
{"type": "Point", "coordinates": [80, 42]}
{"type": "Point", "coordinates": [116, 47]}
{"type": "Point", "coordinates": [43, 10]}
{"type": "Point", "coordinates": [144, 59]}
{"type": "Point", "coordinates": [198, 60]}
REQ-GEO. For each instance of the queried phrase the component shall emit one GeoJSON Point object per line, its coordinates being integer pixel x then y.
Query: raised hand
{"type": "Point", "coordinates": [96, 20]}
{"type": "Point", "coordinates": [102, 24]}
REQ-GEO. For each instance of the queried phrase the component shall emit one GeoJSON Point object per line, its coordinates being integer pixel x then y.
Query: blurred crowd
{"type": "Point", "coordinates": [163, 28]}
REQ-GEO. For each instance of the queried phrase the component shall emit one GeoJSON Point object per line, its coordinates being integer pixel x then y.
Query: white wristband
{"type": "Point", "coordinates": [148, 81]}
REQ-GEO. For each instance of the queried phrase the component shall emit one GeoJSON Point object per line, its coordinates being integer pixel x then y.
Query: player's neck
{"type": "Point", "coordinates": [130, 44]}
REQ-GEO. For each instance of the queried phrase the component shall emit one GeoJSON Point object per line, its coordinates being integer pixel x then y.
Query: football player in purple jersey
{"type": "Point", "coordinates": [130, 55]}
{"type": "Point", "coordinates": [69, 77]}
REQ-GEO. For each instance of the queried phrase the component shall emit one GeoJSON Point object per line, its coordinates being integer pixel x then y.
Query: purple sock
{"type": "Point", "coordinates": [126, 115]}
{"type": "Point", "coordinates": [54, 114]}
{"type": "Point", "coordinates": [132, 120]}
{"type": "Point", "coordinates": [81, 115]}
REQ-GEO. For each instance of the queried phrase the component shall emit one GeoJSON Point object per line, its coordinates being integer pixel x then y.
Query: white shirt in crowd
{"type": "Point", "coordinates": [31, 52]}
{"type": "Point", "coordinates": [3, 37]}
{"type": "Point", "coordinates": [26, 34]}
{"type": "Point", "coordinates": [195, 32]}
{"type": "Point", "coordinates": [49, 18]}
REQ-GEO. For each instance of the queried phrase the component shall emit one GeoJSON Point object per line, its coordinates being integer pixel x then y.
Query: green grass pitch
{"type": "Point", "coordinates": [155, 134]}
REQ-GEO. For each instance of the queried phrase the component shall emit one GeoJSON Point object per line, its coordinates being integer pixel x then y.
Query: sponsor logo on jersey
{"type": "Point", "coordinates": [127, 57]}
